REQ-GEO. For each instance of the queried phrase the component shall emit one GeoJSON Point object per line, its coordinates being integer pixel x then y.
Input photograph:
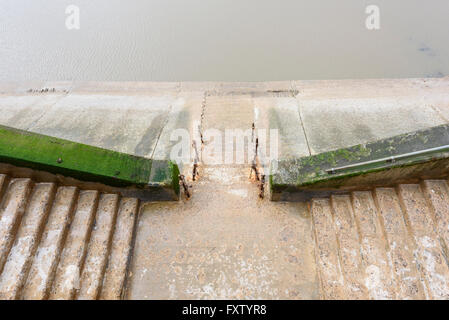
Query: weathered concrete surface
{"type": "Point", "coordinates": [129, 124]}
{"type": "Point", "coordinates": [184, 117]}
{"type": "Point", "coordinates": [409, 283]}
{"type": "Point", "coordinates": [11, 211]}
{"type": "Point", "coordinates": [221, 117]}
{"type": "Point", "coordinates": [23, 111]}
{"type": "Point", "coordinates": [429, 250]}
{"type": "Point", "coordinates": [27, 238]}
{"type": "Point", "coordinates": [224, 243]}
{"type": "Point", "coordinates": [377, 273]}
{"type": "Point", "coordinates": [99, 247]}
{"type": "Point", "coordinates": [400, 255]}
{"type": "Point", "coordinates": [312, 116]}
{"type": "Point", "coordinates": [68, 273]}
{"type": "Point", "coordinates": [384, 162]}
{"type": "Point", "coordinates": [62, 243]}
{"type": "Point", "coordinates": [437, 193]}
{"type": "Point", "coordinates": [282, 113]}
{"type": "Point", "coordinates": [341, 113]}
{"type": "Point", "coordinates": [46, 259]}
{"type": "Point", "coordinates": [122, 244]}
{"type": "Point", "coordinates": [331, 277]}
{"type": "Point", "coordinates": [349, 247]}
{"type": "Point", "coordinates": [142, 118]}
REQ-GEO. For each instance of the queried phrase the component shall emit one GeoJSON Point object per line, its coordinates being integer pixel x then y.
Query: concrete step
{"type": "Point", "coordinates": [400, 244]}
{"type": "Point", "coordinates": [11, 211]}
{"type": "Point", "coordinates": [377, 273]}
{"type": "Point", "coordinates": [388, 243]}
{"type": "Point", "coordinates": [348, 242]}
{"type": "Point", "coordinates": [326, 251]}
{"type": "Point", "coordinates": [42, 271]}
{"type": "Point", "coordinates": [27, 238]}
{"type": "Point", "coordinates": [429, 249]}
{"type": "Point", "coordinates": [3, 184]}
{"type": "Point", "coordinates": [99, 247]}
{"type": "Point", "coordinates": [68, 273]}
{"type": "Point", "coordinates": [63, 243]}
{"type": "Point", "coordinates": [437, 193]}
{"type": "Point", "coordinates": [121, 250]}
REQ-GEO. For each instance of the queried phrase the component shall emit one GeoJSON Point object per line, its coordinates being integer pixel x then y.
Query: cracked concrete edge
{"type": "Point", "coordinates": [143, 177]}
{"type": "Point", "coordinates": [143, 87]}
{"type": "Point", "coordinates": [307, 177]}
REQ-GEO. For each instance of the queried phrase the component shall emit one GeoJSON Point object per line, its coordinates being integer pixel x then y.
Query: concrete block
{"type": "Point", "coordinates": [46, 259]}
{"type": "Point", "coordinates": [28, 236]}
{"type": "Point", "coordinates": [377, 274]}
{"type": "Point", "coordinates": [428, 246]}
{"type": "Point", "coordinates": [99, 248]}
{"type": "Point", "coordinates": [68, 273]}
{"type": "Point", "coordinates": [120, 256]}
{"type": "Point", "coordinates": [401, 248]}
{"type": "Point", "coordinates": [129, 124]}
{"type": "Point", "coordinates": [23, 111]}
{"type": "Point", "coordinates": [12, 209]}
{"type": "Point", "coordinates": [337, 123]}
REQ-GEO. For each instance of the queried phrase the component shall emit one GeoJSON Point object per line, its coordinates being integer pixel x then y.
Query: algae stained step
{"type": "Point", "coordinates": [141, 177]}
{"type": "Point", "coordinates": [408, 157]}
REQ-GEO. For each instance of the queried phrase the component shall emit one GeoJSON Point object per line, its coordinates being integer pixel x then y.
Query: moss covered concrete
{"type": "Point", "coordinates": [309, 173]}
{"type": "Point", "coordinates": [86, 163]}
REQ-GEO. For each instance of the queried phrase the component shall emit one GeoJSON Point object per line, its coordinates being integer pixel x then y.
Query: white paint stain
{"type": "Point", "coordinates": [239, 192]}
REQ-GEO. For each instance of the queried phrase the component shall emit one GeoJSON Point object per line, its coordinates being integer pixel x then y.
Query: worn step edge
{"type": "Point", "coordinates": [27, 239]}
{"type": "Point", "coordinates": [12, 208]}
{"type": "Point", "coordinates": [157, 178]}
{"type": "Point", "coordinates": [115, 277]}
{"type": "Point", "coordinates": [307, 177]}
{"type": "Point", "coordinates": [4, 182]}
{"type": "Point", "coordinates": [330, 274]}
{"type": "Point", "coordinates": [46, 258]}
{"type": "Point", "coordinates": [99, 248]}
{"type": "Point", "coordinates": [429, 250]}
{"type": "Point", "coordinates": [68, 272]}
{"type": "Point", "coordinates": [348, 244]}
{"type": "Point", "coordinates": [400, 245]}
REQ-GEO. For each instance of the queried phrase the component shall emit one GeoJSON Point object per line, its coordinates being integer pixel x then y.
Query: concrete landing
{"type": "Point", "coordinates": [224, 243]}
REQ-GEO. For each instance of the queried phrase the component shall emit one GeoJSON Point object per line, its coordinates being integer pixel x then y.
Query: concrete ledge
{"type": "Point", "coordinates": [356, 167]}
{"type": "Point", "coordinates": [158, 178]}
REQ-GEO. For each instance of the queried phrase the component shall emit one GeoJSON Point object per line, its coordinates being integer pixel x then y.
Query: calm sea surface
{"type": "Point", "coordinates": [245, 40]}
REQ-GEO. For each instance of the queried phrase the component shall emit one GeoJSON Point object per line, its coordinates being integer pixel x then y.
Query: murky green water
{"type": "Point", "coordinates": [247, 40]}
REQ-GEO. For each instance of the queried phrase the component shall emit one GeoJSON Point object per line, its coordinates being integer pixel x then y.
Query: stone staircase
{"type": "Point", "coordinates": [63, 243]}
{"type": "Point", "coordinates": [388, 243]}
{"type": "Point", "coordinates": [59, 242]}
